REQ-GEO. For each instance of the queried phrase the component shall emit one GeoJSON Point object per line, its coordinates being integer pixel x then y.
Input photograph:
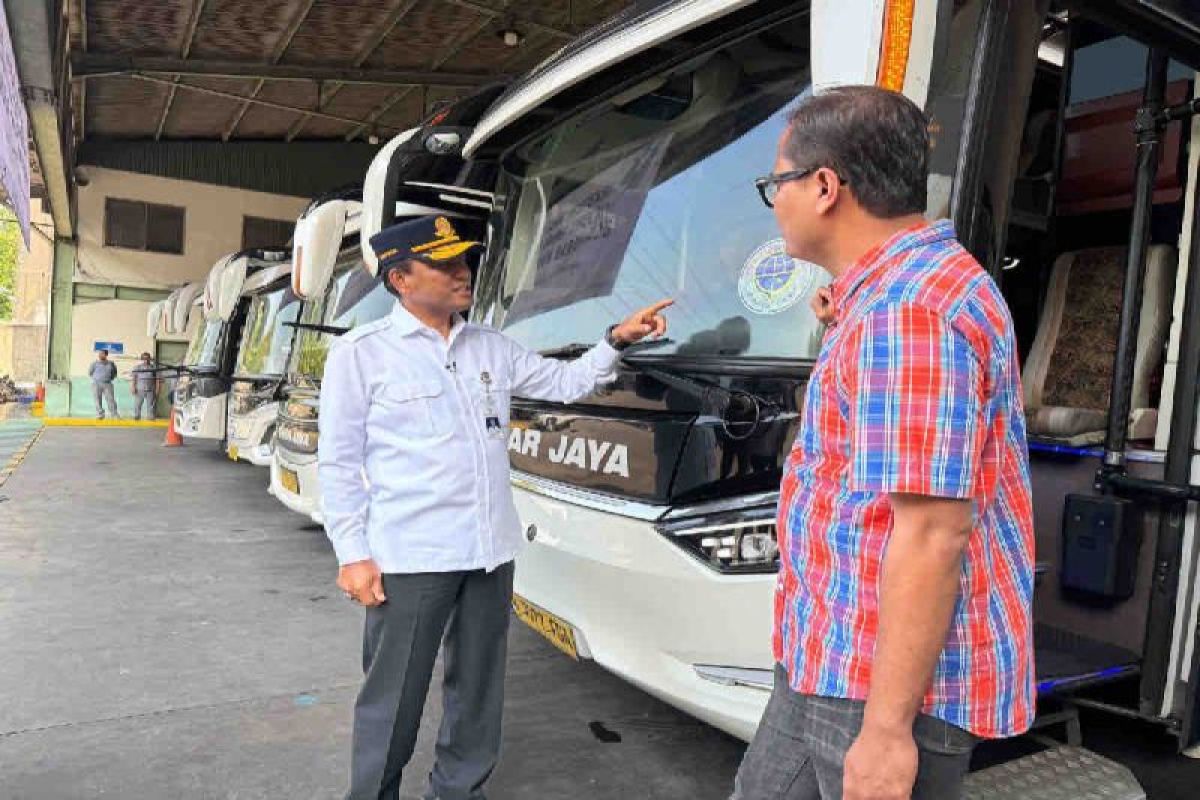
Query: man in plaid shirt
{"type": "Point", "coordinates": [903, 629]}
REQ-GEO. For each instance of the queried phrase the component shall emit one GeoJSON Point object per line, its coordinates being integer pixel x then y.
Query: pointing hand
{"type": "Point", "coordinates": [647, 322]}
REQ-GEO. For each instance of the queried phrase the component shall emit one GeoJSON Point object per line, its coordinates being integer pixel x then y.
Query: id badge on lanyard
{"type": "Point", "coordinates": [491, 408]}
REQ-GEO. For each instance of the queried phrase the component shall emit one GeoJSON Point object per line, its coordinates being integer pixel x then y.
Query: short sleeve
{"type": "Point", "coordinates": [917, 396]}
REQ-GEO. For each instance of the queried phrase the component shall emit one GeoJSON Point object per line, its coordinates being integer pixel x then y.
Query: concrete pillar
{"type": "Point", "coordinates": [58, 389]}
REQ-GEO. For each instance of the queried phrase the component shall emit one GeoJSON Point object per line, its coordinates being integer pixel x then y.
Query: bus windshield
{"type": "Point", "coordinates": [204, 349]}
{"type": "Point", "coordinates": [652, 196]}
{"type": "Point", "coordinates": [267, 341]}
{"type": "Point", "coordinates": [354, 298]}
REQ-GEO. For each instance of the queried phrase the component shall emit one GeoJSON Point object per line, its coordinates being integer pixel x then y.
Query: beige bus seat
{"type": "Point", "coordinates": [1068, 373]}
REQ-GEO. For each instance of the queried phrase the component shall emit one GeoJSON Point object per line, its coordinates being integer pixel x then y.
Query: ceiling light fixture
{"type": "Point", "coordinates": [510, 36]}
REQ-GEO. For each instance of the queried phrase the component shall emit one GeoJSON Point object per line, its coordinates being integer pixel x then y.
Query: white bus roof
{"type": "Point", "coordinates": [637, 29]}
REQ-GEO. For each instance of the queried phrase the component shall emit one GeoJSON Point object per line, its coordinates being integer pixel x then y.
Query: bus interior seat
{"type": "Point", "coordinates": [1068, 372]}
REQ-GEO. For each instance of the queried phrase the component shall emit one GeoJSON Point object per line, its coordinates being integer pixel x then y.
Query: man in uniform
{"type": "Point", "coordinates": [417, 404]}
{"type": "Point", "coordinates": [144, 387]}
{"type": "Point", "coordinates": [103, 372]}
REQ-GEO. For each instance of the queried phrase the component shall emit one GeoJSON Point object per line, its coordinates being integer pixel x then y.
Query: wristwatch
{"type": "Point", "coordinates": [612, 340]}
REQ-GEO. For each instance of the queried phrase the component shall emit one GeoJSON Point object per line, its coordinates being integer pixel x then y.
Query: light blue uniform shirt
{"type": "Point", "coordinates": [413, 472]}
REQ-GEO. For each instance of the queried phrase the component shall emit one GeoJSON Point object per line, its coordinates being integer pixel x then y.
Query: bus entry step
{"type": "Point", "coordinates": [1060, 773]}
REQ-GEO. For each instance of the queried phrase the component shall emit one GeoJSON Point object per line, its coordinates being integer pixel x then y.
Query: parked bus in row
{"type": "Point", "coordinates": [340, 293]}
{"type": "Point", "coordinates": [625, 174]}
{"type": "Point", "coordinates": [258, 374]}
{"type": "Point", "coordinates": [201, 394]}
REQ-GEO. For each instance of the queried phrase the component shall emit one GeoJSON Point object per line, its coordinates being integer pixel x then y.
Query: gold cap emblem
{"type": "Point", "coordinates": [443, 227]}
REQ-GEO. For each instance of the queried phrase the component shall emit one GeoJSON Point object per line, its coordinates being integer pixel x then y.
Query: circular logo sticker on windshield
{"type": "Point", "coordinates": [772, 281]}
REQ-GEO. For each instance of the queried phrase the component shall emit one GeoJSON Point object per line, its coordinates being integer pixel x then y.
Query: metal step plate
{"type": "Point", "coordinates": [1061, 773]}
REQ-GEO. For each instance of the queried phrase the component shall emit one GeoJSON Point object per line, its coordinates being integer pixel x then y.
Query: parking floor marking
{"type": "Point", "coordinates": [25, 434]}
{"type": "Point", "coordinates": [84, 422]}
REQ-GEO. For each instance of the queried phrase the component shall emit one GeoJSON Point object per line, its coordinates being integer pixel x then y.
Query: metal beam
{"type": "Point", "coordinates": [521, 21]}
{"type": "Point", "coordinates": [189, 36]}
{"type": "Point", "coordinates": [33, 49]}
{"type": "Point", "coordinates": [193, 23]}
{"type": "Point", "coordinates": [453, 48]}
{"type": "Point", "coordinates": [299, 169]}
{"type": "Point", "coordinates": [104, 65]}
{"type": "Point", "coordinates": [386, 106]}
{"type": "Point", "coordinates": [91, 292]}
{"type": "Point", "coordinates": [83, 46]}
{"type": "Point", "coordinates": [398, 12]}
{"type": "Point", "coordinates": [281, 47]}
{"type": "Point", "coordinates": [83, 25]}
{"type": "Point", "coordinates": [166, 109]}
{"type": "Point", "coordinates": [241, 112]}
{"type": "Point", "coordinates": [255, 100]}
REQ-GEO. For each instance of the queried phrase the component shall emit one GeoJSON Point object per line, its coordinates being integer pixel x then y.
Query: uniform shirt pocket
{"type": "Point", "coordinates": [414, 409]}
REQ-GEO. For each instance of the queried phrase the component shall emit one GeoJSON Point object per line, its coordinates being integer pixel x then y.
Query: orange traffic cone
{"type": "Point", "coordinates": [173, 438]}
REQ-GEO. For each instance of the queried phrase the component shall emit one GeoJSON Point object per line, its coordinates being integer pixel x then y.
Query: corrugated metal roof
{"type": "Point", "coordinates": [130, 95]}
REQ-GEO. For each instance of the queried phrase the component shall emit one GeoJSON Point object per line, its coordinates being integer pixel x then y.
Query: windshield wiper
{"type": "Point", "coordinates": [573, 350]}
{"type": "Point", "coordinates": [576, 349]}
{"type": "Point", "coordinates": [311, 326]}
{"type": "Point", "coordinates": [742, 413]}
{"type": "Point", "coordinates": [178, 369]}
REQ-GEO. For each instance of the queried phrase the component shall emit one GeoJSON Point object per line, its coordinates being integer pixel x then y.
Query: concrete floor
{"type": "Point", "coordinates": [168, 630]}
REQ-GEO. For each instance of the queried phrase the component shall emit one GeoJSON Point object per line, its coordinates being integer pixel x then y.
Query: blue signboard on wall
{"type": "Point", "coordinates": [115, 348]}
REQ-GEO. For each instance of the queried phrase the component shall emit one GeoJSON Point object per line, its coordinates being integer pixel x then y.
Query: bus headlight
{"type": "Point", "coordinates": [297, 437]}
{"type": "Point", "coordinates": [302, 408]}
{"type": "Point", "coordinates": [243, 400]}
{"type": "Point", "coordinates": [742, 546]}
{"type": "Point", "coordinates": [183, 390]}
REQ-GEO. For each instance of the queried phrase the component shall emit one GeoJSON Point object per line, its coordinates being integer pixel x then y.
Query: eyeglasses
{"type": "Point", "coordinates": [768, 185]}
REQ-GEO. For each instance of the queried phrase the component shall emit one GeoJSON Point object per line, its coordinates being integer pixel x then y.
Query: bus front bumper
{"type": "Point", "coordinates": [201, 417]}
{"type": "Point", "coordinates": [251, 435]}
{"type": "Point", "coordinates": [294, 483]}
{"type": "Point", "coordinates": [643, 608]}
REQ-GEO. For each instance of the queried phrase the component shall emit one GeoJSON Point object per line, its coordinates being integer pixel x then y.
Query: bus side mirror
{"type": "Point", "coordinates": [316, 245]}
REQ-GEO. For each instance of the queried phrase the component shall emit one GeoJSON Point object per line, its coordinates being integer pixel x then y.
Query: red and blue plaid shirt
{"type": "Point", "coordinates": [916, 390]}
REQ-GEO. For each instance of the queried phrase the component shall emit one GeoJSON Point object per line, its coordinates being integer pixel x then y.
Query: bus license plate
{"type": "Point", "coordinates": [290, 480]}
{"type": "Point", "coordinates": [559, 633]}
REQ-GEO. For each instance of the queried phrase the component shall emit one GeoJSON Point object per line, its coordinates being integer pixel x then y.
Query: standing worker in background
{"type": "Point", "coordinates": [903, 610]}
{"type": "Point", "coordinates": [103, 372]}
{"type": "Point", "coordinates": [418, 404]}
{"type": "Point", "coordinates": [144, 386]}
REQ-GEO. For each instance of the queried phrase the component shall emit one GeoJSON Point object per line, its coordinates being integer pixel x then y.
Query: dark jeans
{"type": "Point", "coordinates": [802, 740]}
{"type": "Point", "coordinates": [400, 644]}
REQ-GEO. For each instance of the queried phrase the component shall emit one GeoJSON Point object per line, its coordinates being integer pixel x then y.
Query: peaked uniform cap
{"type": "Point", "coordinates": [433, 239]}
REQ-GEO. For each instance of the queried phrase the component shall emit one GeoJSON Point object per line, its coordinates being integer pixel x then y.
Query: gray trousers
{"type": "Point", "coordinates": [103, 393]}
{"type": "Point", "coordinates": [801, 744]}
{"type": "Point", "coordinates": [400, 645]}
{"type": "Point", "coordinates": [145, 399]}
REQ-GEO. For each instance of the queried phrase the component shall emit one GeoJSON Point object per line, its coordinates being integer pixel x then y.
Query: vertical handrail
{"type": "Point", "coordinates": [1149, 130]}
{"type": "Point", "coordinates": [1177, 470]}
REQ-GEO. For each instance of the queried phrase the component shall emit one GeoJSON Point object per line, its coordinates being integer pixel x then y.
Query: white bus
{"type": "Point", "coordinates": [258, 373]}
{"type": "Point", "coordinates": [340, 293]}
{"type": "Point", "coordinates": [626, 166]}
{"type": "Point", "coordinates": [202, 393]}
